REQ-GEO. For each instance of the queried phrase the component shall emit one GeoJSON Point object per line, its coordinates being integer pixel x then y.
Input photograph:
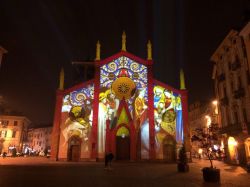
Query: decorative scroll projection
{"type": "Point", "coordinates": [167, 117]}
{"type": "Point", "coordinates": [77, 116]}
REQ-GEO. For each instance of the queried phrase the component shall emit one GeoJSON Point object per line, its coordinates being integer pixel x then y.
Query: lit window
{"type": "Point", "coordinates": [3, 134]}
{"type": "Point", "coordinates": [4, 123]}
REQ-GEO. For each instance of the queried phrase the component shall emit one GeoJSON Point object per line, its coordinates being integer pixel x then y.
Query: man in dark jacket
{"type": "Point", "coordinates": [108, 159]}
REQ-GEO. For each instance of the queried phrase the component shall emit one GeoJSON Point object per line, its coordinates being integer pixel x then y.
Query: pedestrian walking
{"type": "Point", "coordinates": [4, 154]}
{"type": "Point", "coordinates": [108, 159]}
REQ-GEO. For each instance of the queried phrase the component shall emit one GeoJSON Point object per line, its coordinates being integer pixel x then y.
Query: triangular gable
{"type": "Point", "coordinates": [120, 54]}
{"type": "Point", "coordinates": [156, 82]}
{"type": "Point", "coordinates": [78, 86]}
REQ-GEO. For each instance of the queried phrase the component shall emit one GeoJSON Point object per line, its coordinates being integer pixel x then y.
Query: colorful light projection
{"type": "Point", "coordinates": [77, 116]}
{"type": "Point", "coordinates": [167, 117]}
{"type": "Point", "coordinates": [123, 132]}
{"type": "Point", "coordinates": [126, 79]}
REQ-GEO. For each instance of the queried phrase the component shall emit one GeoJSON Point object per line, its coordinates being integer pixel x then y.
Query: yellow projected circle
{"type": "Point", "coordinates": [123, 87]}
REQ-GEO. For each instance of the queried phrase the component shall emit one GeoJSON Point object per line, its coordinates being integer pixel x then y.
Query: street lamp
{"type": "Point", "coordinates": [215, 103]}
{"type": "Point", "coordinates": [208, 120]}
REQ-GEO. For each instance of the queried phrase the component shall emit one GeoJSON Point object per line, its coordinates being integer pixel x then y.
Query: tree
{"type": "Point", "coordinates": [208, 137]}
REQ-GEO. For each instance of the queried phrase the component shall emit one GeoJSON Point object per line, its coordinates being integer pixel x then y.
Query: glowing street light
{"type": "Point", "coordinates": [200, 151]}
{"type": "Point", "coordinates": [215, 103]}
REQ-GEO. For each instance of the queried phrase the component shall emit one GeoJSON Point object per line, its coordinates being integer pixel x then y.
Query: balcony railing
{"type": "Point", "coordinates": [235, 65]}
{"type": "Point", "coordinates": [224, 101]}
{"type": "Point", "coordinates": [232, 129]}
{"type": "Point", "coordinates": [239, 93]}
{"type": "Point", "coordinates": [221, 77]}
{"type": "Point", "coordinates": [248, 127]}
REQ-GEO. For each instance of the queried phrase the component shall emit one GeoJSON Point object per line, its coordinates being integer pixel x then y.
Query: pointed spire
{"type": "Point", "coordinates": [98, 51]}
{"type": "Point", "coordinates": [149, 46]}
{"type": "Point", "coordinates": [61, 84]}
{"type": "Point", "coordinates": [182, 80]}
{"type": "Point", "coordinates": [124, 41]}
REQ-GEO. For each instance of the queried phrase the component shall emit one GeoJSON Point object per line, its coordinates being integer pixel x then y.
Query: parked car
{"type": "Point", "coordinates": [48, 153]}
{"type": "Point", "coordinates": [19, 154]}
{"type": "Point", "coordinates": [41, 153]}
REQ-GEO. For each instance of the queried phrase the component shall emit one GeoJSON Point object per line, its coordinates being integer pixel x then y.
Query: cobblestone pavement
{"type": "Point", "coordinates": [35, 172]}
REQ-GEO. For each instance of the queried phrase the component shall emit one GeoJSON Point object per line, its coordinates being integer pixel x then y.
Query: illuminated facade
{"type": "Point", "coordinates": [13, 132]}
{"type": "Point", "coordinates": [123, 110]}
{"type": "Point", "coordinates": [39, 138]}
{"type": "Point", "coordinates": [232, 88]}
{"type": "Point", "coordinates": [2, 51]}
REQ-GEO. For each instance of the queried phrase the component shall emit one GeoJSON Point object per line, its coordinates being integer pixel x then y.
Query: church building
{"type": "Point", "coordinates": [123, 110]}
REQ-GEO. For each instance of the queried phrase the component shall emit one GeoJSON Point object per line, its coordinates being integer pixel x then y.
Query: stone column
{"type": "Point", "coordinates": [186, 131]}
{"type": "Point", "coordinates": [55, 135]}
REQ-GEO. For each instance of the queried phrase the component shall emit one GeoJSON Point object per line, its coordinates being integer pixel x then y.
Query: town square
{"type": "Point", "coordinates": [125, 93]}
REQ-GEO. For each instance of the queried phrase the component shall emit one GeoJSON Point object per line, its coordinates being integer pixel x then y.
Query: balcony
{"type": "Point", "coordinates": [224, 101]}
{"type": "Point", "coordinates": [239, 93]}
{"type": "Point", "coordinates": [221, 77]}
{"type": "Point", "coordinates": [235, 65]}
{"type": "Point", "coordinates": [232, 129]}
{"type": "Point", "coordinates": [248, 127]}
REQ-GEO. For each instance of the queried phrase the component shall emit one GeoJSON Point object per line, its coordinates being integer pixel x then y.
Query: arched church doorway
{"type": "Point", "coordinates": [169, 149]}
{"type": "Point", "coordinates": [74, 149]}
{"type": "Point", "coordinates": [122, 144]}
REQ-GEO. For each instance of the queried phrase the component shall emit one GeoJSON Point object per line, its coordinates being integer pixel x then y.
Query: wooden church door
{"type": "Point", "coordinates": [169, 149]}
{"type": "Point", "coordinates": [122, 147]}
{"type": "Point", "coordinates": [74, 151]}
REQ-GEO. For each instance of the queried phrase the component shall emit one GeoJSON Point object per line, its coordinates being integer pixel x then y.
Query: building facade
{"type": "Point", "coordinates": [39, 139]}
{"type": "Point", "coordinates": [13, 132]}
{"type": "Point", "coordinates": [123, 110]}
{"type": "Point", "coordinates": [232, 88]}
{"type": "Point", "coordinates": [2, 52]}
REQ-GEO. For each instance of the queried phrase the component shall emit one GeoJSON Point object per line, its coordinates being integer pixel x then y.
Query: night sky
{"type": "Point", "coordinates": [42, 36]}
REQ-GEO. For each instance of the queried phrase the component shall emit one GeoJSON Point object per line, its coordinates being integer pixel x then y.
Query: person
{"type": "Point", "coordinates": [4, 154]}
{"type": "Point", "coordinates": [14, 151]}
{"type": "Point", "coordinates": [108, 159]}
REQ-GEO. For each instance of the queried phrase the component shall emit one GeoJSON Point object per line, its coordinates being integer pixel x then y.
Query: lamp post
{"type": "Point", "coordinates": [215, 103]}
{"type": "Point", "coordinates": [208, 123]}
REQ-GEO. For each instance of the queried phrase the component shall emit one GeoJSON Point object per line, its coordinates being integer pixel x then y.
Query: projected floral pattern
{"type": "Point", "coordinates": [123, 78]}
{"type": "Point", "coordinates": [77, 115]}
{"type": "Point", "coordinates": [167, 116]}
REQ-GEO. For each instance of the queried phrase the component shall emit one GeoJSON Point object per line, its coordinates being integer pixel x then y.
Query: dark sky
{"type": "Point", "coordinates": [42, 36]}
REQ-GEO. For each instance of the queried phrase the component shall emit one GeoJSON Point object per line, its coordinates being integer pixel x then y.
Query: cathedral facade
{"type": "Point", "coordinates": [123, 110]}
